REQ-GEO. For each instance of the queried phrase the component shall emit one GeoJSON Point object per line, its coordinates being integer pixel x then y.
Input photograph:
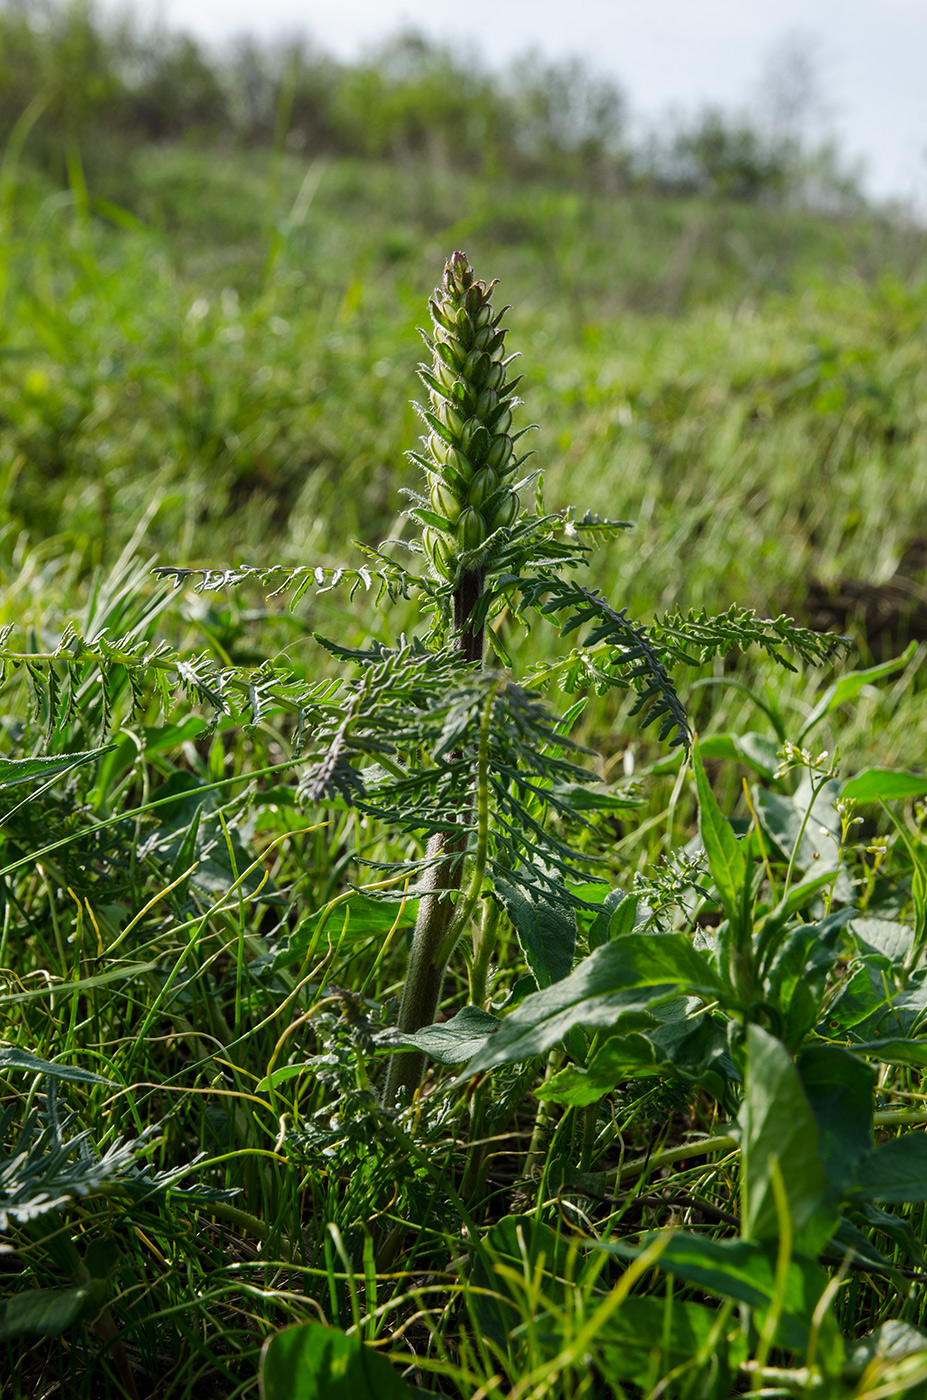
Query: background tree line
{"type": "Point", "coordinates": [103, 86]}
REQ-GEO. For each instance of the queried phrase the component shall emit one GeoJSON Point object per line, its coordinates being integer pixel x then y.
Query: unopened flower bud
{"type": "Point", "coordinates": [500, 450]}
{"type": "Point", "coordinates": [460, 462]}
{"type": "Point", "coordinates": [458, 275]}
{"type": "Point", "coordinates": [505, 512]}
{"type": "Point", "coordinates": [438, 448]}
{"type": "Point", "coordinates": [439, 553]}
{"type": "Point", "coordinates": [486, 404]}
{"type": "Point", "coordinates": [471, 529]}
{"type": "Point", "coordinates": [469, 454]}
{"type": "Point", "coordinates": [464, 328]}
{"type": "Point", "coordinates": [484, 483]}
{"type": "Point", "coordinates": [450, 353]}
{"type": "Point", "coordinates": [478, 440]}
{"type": "Point", "coordinates": [476, 367]}
{"type": "Point", "coordinates": [440, 315]}
{"type": "Point", "coordinates": [476, 303]}
{"type": "Point", "coordinates": [451, 419]}
{"type": "Point", "coordinates": [444, 501]}
{"type": "Point", "coordinates": [445, 376]}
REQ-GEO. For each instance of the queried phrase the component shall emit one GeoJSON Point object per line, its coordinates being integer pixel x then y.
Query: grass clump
{"type": "Point", "coordinates": [363, 1027]}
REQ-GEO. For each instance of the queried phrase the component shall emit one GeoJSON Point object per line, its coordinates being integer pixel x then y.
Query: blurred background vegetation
{"type": "Point", "coordinates": [109, 85]}
{"type": "Point", "coordinates": [213, 265]}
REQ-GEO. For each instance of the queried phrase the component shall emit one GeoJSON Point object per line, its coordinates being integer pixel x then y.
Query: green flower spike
{"type": "Point", "coordinates": [470, 458]}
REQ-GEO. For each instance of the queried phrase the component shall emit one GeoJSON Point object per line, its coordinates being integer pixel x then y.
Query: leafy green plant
{"type": "Point", "coordinates": [466, 757]}
{"type": "Point", "coordinates": [724, 1039]}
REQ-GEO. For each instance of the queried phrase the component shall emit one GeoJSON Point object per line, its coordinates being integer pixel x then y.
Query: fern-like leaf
{"type": "Point", "coordinates": [627, 655]}
{"type": "Point", "coordinates": [695, 637]}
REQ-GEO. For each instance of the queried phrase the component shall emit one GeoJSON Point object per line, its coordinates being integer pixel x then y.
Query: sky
{"type": "Point", "coordinates": [869, 55]}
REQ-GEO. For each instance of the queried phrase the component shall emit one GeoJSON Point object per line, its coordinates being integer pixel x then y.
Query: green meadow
{"type": "Point", "coordinates": [667, 1135]}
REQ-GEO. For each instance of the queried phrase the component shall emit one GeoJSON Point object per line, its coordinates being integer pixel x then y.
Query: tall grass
{"type": "Point", "coordinates": [758, 418]}
{"type": "Point", "coordinates": [211, 363]}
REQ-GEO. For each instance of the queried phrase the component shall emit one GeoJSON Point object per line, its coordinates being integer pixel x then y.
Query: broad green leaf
{"type": "Point", "coordinates": [895, 1051]}
{"type": "Point", "coordinates": [760, 751]}
{"type": "Point", "coordinates": [621, 1057]}
{"type": "Point", "coordinates": [891, 1341]}
{"type": "Point", "coordinates": [312, 1362]}
{"type": "Point", "coordinates": [839, 1087]}
{"type": "Point", "coordinates": [688, 1047]}
{"type": "Point", "coordinates": [47, 1312]}
{"type": "Point", "coordinates": [160, 737]}
{"type": "Point", "coordinates": [778, 1123]}
{"type": "Point", "coordinates": [848, 1239]}
{"type": "Point", "coordinates": [590, 892]}
{"type": "Point", "coordinates": [452, 1042]}
{"type": "Point", "coordinates": [743, 1270]}
{"type": "Point", "coordinates": [897, 1227]}
{"type": "Point", "coordinates": [884, 785]}
{"type": "Point", "coordinates": [726, 859]}
{"type": "Point", "coordinates": [861, 1005]}
{"type": "Point", "coordinates": [618, 917]}
{"type": "Point", "coordinates": [102, 1256]}
{"type": "Point", "coordinates": [524, 1244]}
{"type": "Point", "coordinates": [867, 1007]}
{"type": "Point", "coordinates": [849, 686]}
{"type": "Point", "coordinates": [712, 746]}
{"type": "Point", "coordinates": [813, 835]}
{"type": "Point", "coordinates": [909, 1006]}
{"type": "Point", "coordinates": [372, 918]}
{"type": "Point", "coordinates": [613, 987]}
{"type": "Point", "coordinates": [546, 930]}
{"type": "Point", "coordinates": [798, 980]}
{"type": "Point", "coordinates": [279, 1076]}
{"type": "Point", "coordinates": [896, 1171]}
{"type": "Point", "coordinates": [884, 936]}
{"type": "Point", "coordinates": [774, 923]}
{"type": "Point", "coordinates": [362, 917]}
{"type": "Point", "coordinates": [39, 770]}
{"type": "Point", "coordinates": [918, 857]}
{"type": "Point", "coordinates": [11, 1058]}
{"type": "Point", "coordinates": [783, 818]}
{"type": "Point", "coordinates": [641, 1326]}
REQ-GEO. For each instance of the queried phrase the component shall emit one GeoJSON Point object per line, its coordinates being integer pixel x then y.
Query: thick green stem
{"type": "Point", "coordinates": [590, 1119]}
{"type": "Point", "coordinates": [422, 991]}
{"type": "Point", "coordinates": [439, 922]}
{"type": "Point", "coordinates": [476, 1157]}
{"type": "Point", "coordinates": [466, 596]}
{"type": "Point", "coordinates": [537, 1149]}
{"type": "Point", "coordinates": [484, 945]}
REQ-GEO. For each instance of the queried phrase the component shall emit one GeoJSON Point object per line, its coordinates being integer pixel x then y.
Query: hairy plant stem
{"type": "Point", "coordinates": [440, 920]}
{"type": "Point", "coordinates": [590, 1121]}
{"type": "Point", "coordinates": [476, 1156]}
{"type": "Point", "coordinates": [537, 1148]}
{"type": "Point", "coordinates": [484, 945]}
